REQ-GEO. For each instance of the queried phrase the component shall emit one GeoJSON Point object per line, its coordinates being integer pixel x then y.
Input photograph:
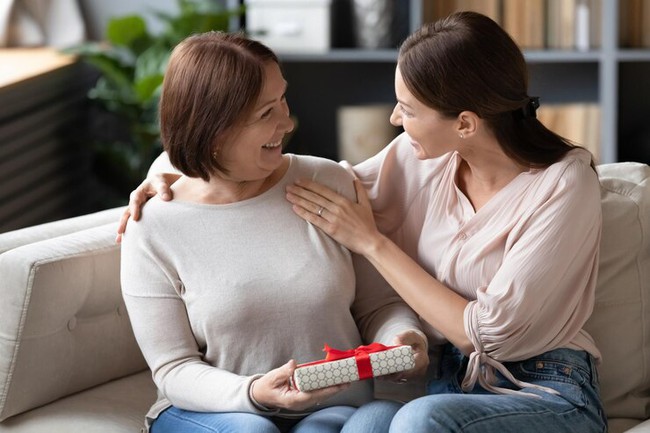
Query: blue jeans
{"type": "Point", "coordinates": [335, 419]}
{"type": "Point", "coordinates": [447, 408]}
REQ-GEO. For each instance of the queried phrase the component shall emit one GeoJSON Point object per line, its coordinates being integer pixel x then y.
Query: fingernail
{"type": "Point", "coordinates": [165, 196]}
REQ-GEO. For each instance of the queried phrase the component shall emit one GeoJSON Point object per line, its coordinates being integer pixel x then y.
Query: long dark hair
{"type": "Point", "coordinates": [466, 61]}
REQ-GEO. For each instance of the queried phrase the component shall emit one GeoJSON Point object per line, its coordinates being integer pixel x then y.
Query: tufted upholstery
{"type": "Point", "coordinates": [63, 324]}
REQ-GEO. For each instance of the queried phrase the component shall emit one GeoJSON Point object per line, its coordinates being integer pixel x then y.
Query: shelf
{"type": "Point", "coordinates": [562, 56]}
{"type": "Point", "coordinates": [633, 55]}
{"type": "Point", "coordinates": [343, 55]}
{"type": "Point", "coordinates": [390, 56]}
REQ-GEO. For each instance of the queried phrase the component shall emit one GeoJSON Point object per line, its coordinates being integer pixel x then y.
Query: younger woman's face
{"type": "Point", "coordinates": [431, 134]}
{"type": "Point", "coordinates": [253, 151]}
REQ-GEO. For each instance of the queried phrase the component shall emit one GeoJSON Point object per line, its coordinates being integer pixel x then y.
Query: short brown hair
{"type": "Point", "coordinates": [212, 83]}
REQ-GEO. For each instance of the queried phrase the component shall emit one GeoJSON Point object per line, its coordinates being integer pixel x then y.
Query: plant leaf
{"type": "Point", "coordinates": [126, 30]}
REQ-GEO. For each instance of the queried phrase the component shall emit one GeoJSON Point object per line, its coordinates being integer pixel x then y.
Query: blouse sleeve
{"type": "Point", "coordinates": [544, 291]}
{"type": "Point", "coordinates": [152, 293]}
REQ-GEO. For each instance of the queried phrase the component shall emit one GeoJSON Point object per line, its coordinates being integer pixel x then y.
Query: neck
{"type": "Point", "coordinates": [225, 189]}
{"type": "Point", "coordinates": [483, 172]}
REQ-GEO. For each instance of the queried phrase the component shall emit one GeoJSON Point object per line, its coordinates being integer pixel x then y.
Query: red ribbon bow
{"type": "Point", "coordinates": [361, 355]}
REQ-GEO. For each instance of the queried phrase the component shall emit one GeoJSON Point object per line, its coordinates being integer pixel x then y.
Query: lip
{"type": "Point", "coordinates": [279, 144]}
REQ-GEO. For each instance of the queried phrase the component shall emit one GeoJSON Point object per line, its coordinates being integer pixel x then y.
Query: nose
{"type": "Point", "coordinates": [286, 123]}
{"type": "Point", "coordinates": [396, 117]}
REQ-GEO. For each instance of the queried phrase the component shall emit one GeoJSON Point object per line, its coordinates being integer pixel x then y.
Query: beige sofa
{"type": "Point", "coordinates": [69, 362]}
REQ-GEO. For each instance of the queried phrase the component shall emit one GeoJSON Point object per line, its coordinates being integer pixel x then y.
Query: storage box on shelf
{"type": "Point", "coordinates": [290, 26]}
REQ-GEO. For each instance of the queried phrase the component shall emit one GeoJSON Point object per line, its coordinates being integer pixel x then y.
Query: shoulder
{"type": "Point", "coordinates": [325, 171]}
{"type": "Point", "coordinates": [156, 217]}
{"type": "Point", "coordinates": [575, 171]}
{"type": "Point", "coordinates": [572, 180]}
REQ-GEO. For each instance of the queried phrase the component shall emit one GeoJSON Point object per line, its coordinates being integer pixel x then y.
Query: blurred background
{"type": "Point", "coordinates": [79, 81]}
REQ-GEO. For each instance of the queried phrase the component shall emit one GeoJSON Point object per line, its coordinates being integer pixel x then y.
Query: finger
{"type": "Point", "coordinates": [312, 217]}
{"type": "Point", "coordinates": [121, 227]}
{"type": "Point", "coordinates": [320, 190]}
{"type": "Point", "coordinates": [317, 396]}
{"type": "Point", "coordinates": [411, 338]}
{"type": "Point", "coordinates": [135, 203]}
{"type": "Point", "coordinates": [284, 372]}
{"type": "Point", "coordinates": [161, 187]}
{"type": "Point", "coordinates": [306, 199]}
{"type": "Point", "coordinates": [362, 194]}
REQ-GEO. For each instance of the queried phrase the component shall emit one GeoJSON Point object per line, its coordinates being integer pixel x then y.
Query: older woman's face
{"type": "Point", "coordinates": [254, 151]}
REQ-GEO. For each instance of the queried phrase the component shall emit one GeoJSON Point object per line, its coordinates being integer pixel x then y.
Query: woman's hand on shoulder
{"type": "Point", "coordinates": [159, 183]}
{"type": "Point", "coordinates": [274, 390]}
{"type": "Point", "coordinates": [349, 223]}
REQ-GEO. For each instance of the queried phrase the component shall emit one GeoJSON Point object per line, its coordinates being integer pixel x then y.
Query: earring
{"type": "Point", "coordinates": [461, 135]}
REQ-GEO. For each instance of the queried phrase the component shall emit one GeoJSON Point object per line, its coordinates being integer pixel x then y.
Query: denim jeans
{"type": "Point", "coordinates": [335, 419]}
{"type": "Point", "coordinates": [446, 408]}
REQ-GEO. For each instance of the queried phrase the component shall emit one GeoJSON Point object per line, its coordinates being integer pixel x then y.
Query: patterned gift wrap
{"type": "Point", "coordinates": [356, 364]}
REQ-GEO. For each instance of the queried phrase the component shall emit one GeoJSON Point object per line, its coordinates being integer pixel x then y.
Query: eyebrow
{"type": "Point", "coordinates": [404, 103]}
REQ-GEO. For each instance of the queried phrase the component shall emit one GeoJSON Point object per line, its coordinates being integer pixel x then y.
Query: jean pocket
{"type": "Point", "coordinates": [564, 377]}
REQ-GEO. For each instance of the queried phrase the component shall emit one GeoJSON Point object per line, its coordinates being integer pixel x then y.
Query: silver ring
{"type": "Point", "coordinates": [320, 211]}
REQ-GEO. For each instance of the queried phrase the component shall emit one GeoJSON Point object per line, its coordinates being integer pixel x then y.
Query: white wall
{"type": "Point", "coordinates": [98, 12]}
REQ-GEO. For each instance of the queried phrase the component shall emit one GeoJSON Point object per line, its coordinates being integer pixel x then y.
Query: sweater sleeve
{"type": "Point", "coordinates": [153, 296]}
{"type": "Point", "coordinates": [544, 291]}
{"type": "Point", "coordinates": [379, 311]}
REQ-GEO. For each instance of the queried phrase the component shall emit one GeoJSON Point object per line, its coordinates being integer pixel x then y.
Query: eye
{"type": "Point", "coordinates": [266, 114]}
{"type": "Point", "coordinates": [404, 112]}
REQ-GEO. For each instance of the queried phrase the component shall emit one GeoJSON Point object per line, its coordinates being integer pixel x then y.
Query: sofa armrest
{"type": "Point", "coordinates": [63, 324]}
{"type": "Point", "coordinates": [17, 238]}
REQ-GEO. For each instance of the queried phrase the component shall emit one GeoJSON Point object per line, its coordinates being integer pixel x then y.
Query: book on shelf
{"type": "Point", "coordinates": [525, 21]}
{"type": "Point", "coordinates": [634, 24]}
{"type": "Point", "coordinates": [578, 122]}
{"type": "Point", "coordinates": [630, 23]}
{"type": "Point", "coordinates": [432, 10]}
{"type": "Point", "coordinates": [534, 24]}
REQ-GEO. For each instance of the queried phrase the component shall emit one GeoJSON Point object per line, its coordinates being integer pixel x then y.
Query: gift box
{"type": "Point", "coordinates": [361, 363]}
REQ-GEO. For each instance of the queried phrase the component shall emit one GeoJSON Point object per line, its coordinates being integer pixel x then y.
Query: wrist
{"type": "Point", "coordinates": [375, 245]}
{"type": "Point", "coordinates": [259, 406]}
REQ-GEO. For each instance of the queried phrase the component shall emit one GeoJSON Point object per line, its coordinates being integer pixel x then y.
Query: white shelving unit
{"type": "Point", "coordinates": [617, 79]}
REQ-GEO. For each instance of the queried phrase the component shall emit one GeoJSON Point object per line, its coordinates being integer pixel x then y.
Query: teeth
{"type": "Point", "coordinates": [272, 145]}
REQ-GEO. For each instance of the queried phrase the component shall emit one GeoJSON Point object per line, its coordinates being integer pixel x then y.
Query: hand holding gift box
{"type": "Point", "coordinates": [343, 366]}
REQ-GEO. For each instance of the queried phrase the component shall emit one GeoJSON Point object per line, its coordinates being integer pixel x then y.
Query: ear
{"type": "Point", "coordinates": [467, 124]}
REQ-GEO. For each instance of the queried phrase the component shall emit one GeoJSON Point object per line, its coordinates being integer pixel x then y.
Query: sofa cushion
{"type": "Point", "coordinates": [114, 407]}
{"type": "Point", "coordinates": [620, 323]}
{"type": "Point", "coordinates": [64, 326]}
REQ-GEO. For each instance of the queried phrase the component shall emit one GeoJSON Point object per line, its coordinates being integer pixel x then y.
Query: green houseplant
{"type": "Point", "coordinates": [131, 62]}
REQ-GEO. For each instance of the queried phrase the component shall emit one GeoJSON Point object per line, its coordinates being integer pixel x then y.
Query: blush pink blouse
{"type": "Point", "coordinates": [526, 261]}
